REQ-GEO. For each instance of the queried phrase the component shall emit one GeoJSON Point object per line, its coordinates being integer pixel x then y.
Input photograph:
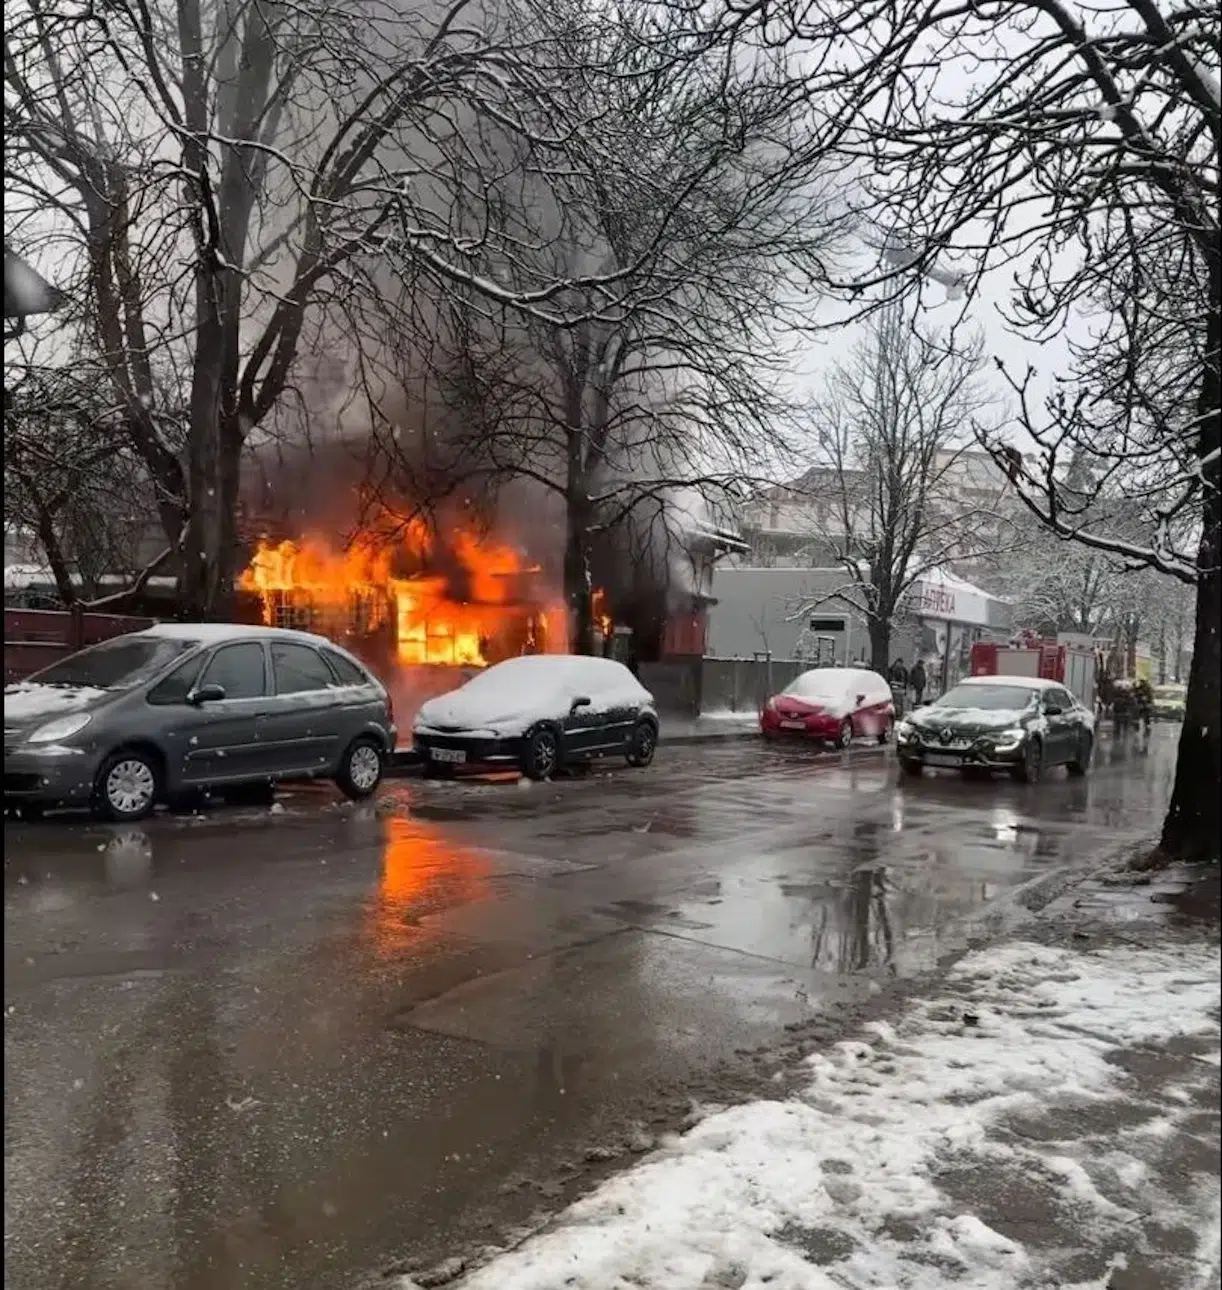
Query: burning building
{"type": "Point", "coordinates": [407, 595]}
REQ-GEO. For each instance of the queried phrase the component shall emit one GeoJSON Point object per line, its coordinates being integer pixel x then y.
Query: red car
{"type": "Point", "coordinates": [833, 704]}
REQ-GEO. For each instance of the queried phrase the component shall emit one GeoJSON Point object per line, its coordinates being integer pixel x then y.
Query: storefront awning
{"type": "Point", "coordinates": [939, 594]}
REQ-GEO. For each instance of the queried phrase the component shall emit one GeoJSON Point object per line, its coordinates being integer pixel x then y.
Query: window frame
{"type": "Point", "coordinates": [200, 660]}
{"type": "Point", "coordinates": [1061, 697]}
{"type": "Point", "coordinates": [333, 658]}
{"type": "Point", "coordinates": [318, 655]}
{"type": "Point", "coordinates": [202, 678]}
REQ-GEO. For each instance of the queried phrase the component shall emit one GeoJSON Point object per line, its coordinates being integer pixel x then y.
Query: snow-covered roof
{"type": "Point", "coordinates": [952, 582]}
{"type": "Point", "coordinates": [17, 577]}
{"type": "Point", "coordinates": [1029, 682]}
{"type": "Point", "coordinates": [212, 633]}
{"type": "Point", "coordinates": [725, 538]}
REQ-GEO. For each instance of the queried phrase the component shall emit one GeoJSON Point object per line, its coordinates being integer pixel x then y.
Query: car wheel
{"type": "Point", "coordinates": [845, 735]}
{"type": "Point", "coordinates": [643, 745]}
{"type": "Point", "coordinates": [911, 768]}
{"type": "Point", "coordinates": [1029, 770]}
{"type": "Point", "coordinates": [360, 769]}
{"type": "Point", "coordinates": [541, 759]}
{"type": "Point", "coordinates": [1081, 762]}
{"type": "Point", "coordinates": [128, 785]}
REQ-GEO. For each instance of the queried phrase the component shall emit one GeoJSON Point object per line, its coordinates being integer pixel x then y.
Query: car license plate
{"type": "Point", "coordinates": [793, 725]}
{"type": "Point", "coordinates": [943, 759]}
{"type": "Point", "coordinates": [447, 754]}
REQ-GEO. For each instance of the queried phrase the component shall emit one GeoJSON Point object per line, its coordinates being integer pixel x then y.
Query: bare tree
{"type": "Point", "coordinates": [226, 182]}
{"type": "Point", "coordinates": [1069, 160]}
{"type": "Point", "coordinates": [708, 211]}
{"type": "Point", "coordinates": [886, 498]}
{"type": "Point", "coordinates": [72, 480]}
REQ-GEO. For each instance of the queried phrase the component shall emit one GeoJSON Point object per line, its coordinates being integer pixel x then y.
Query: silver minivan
{"type": "Point", "coordinates": [182, 708]}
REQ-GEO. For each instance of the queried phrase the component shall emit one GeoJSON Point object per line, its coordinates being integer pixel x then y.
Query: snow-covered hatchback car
{"type": "Point", "coordinates": [539, 713]}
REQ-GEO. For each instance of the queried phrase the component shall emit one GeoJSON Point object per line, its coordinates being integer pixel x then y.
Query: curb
{"type": "Point", "coordinates": [404, 763]}
{"type": "Point", "coordinates": [711, 737]}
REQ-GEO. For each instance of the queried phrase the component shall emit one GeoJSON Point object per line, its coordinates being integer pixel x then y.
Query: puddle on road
{"type": "Point", "coordinates": [393, 1013]}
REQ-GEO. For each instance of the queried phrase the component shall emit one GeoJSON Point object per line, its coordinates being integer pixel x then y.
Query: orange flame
{"type": "Point", "coordinates": [598, 609]}
{"type": "Point", "coordinates": [354, 592]}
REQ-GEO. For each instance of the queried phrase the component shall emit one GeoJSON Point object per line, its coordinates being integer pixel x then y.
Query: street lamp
{"type": "Point", "coordinates": [26, 295]}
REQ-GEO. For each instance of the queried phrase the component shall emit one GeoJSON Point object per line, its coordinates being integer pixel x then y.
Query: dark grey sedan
{"type": "Point", "coordinates": [182, 708]}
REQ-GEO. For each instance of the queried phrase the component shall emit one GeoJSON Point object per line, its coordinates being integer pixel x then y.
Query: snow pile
{"type": "Point", "coordinates": [839, 1189]}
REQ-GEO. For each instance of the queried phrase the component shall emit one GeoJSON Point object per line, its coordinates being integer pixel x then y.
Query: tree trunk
{"type": "Point", "coordinates": [1190, 831]}
{"type": "Point", "coordinates": [578, 589]}
{"type": "Point", "coordinates": [48, 539]}
{"type": "Point", "coordinates": [880, 644]}
{"type": "Point", "coordinates": [578, 593]}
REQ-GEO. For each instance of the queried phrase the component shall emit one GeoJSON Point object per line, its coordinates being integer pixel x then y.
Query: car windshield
{"type": "Point", "coordinates": [116, 664]}
{"type": "Point", "coordinates": [989, 698]}
{"type": "Point", "coordinates": [817, 685]}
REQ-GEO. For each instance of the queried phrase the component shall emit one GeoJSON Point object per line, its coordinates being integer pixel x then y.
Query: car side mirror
{"type": "Point", "coordinates": [582, 701]}
{"type": "Point", "coordinates": [206, 694]}
{"type": "Point", "coordinates": [861, 698]}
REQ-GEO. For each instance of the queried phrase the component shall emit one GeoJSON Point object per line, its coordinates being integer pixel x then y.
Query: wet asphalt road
{"type": "Point", "coordinates": [287, 1049]}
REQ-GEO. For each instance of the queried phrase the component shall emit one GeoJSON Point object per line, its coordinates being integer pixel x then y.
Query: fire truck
{"type": "Point", "coordinates": [1069, 663]}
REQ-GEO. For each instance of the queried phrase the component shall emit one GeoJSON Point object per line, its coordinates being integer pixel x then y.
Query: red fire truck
{"type": "Point", "coordinates": [1071, 665]}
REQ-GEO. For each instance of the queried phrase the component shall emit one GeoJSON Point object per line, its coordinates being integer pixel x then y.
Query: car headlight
{"type": "Point", "coordinates": [904, 731]}
{"type": "Point", "coordinates": [771, 704]}
{"type": "Point", "coordinates": [61, 728]}
{"type": "Point", "coordinates": [1007, 739]}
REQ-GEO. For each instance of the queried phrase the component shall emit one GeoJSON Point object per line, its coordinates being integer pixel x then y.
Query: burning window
{"type": "Point", "coordinates": [465, 602]}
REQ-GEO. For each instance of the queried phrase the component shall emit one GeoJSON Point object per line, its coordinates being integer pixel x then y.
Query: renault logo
{"type": "Point", "coordinates": [946, 735]}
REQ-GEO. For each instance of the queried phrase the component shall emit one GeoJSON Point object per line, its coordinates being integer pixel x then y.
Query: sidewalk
{"type": "Point", "coordinates": [693, 730]}
{"type": "Point", "coordinates": [1045, 1118]}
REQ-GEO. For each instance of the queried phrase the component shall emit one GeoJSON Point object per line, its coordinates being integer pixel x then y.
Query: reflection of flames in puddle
{"type": "Point", "coordinates": [422, 872]}
{"type": "Point", "coordinates": [467, 603]}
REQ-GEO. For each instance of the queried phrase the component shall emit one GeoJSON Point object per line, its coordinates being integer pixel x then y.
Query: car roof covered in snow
{"type": "Point", "coordinates": [214, 633]}
{"type": "Point", "coordinates": [844, 675]}
{"type": "Point", "coordinates": [1028, 682]}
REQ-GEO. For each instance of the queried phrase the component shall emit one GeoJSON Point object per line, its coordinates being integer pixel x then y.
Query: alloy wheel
{"type": "Point", "coordinates": [544, 748]}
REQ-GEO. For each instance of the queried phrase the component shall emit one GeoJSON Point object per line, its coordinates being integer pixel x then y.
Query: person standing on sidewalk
{"type": "Point", "coordinates": [916, 679]}
{"type": "Point", "coordinates": [898, 676]}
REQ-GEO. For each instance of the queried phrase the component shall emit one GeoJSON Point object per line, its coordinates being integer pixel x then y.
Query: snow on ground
{"type": "Point", "coordinates": [904, 1154]}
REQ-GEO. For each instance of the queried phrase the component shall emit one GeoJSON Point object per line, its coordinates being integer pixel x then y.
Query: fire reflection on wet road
{"type": "Point", "coordinates": [286, 1049]}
